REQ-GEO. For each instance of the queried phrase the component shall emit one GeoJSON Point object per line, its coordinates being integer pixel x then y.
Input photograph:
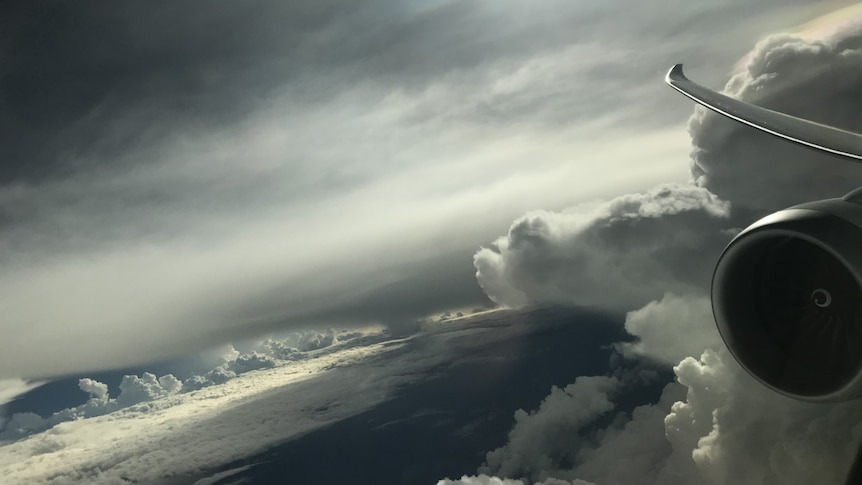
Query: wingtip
{"type": "Point", "coordinates": [675, 74]}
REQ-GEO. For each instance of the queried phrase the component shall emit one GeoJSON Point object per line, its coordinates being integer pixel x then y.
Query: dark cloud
{"type": "Point", "coordinates": [85, 80]}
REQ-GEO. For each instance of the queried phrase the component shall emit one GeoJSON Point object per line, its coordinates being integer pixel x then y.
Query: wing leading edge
{"type": "Point", "coordinates": [815, 135]}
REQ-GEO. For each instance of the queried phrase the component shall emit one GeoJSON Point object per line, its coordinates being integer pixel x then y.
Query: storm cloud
{"type": "Point", "coordinates": [715, 424]}
{"type": "Point", "coordinates": [759, 172]}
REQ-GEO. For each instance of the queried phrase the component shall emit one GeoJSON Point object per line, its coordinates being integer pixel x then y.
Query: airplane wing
{"type": "Point", "coordinates": [815, 135]}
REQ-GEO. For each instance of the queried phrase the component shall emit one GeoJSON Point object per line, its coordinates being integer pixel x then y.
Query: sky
{"type": "Point", "coordinates": [173, 184]}
{"type": "Point", "coordinates": [181, 176]}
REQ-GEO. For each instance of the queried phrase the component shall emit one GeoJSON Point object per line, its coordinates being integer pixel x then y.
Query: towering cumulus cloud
{"type": "Point", "coordinates": [651, 255]}
{"type": "Point", "coordinates": [620, 254]}
{"type": "Point", "coordinates": [814, 79]}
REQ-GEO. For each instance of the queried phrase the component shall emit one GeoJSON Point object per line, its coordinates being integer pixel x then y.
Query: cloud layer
{"type": "Point", "coordinates": [318, 166]}
{"type": "Point", "coordinates": [147, 388]}
{"type": "Point", "coordinates": [169, 430]}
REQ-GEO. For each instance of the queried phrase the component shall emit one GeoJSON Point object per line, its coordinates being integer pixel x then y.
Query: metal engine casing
{"type": "Point", "coordinates": [787, 299]}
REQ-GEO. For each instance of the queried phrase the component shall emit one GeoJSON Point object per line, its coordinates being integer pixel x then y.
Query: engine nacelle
{"type": "Point", "coordinates": [787, 299]}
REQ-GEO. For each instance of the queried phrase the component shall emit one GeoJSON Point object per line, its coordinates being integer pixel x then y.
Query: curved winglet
{"type": "Point", "coordinates": [815, 135]}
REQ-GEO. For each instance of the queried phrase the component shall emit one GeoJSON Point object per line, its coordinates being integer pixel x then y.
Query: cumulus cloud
{"type": "Point", "coordinates": [253, 361]}
{"type": "Point", "coordinates": [487, 480]}
{"type": "Point", "coordinates": [715, 424]}
{"type": "Point", "coordinates": [188, 433]}
{"type": "Point", "coordinates": [147, 387]}
{"type": "Point", "coordinates": [619, 254]}
{"type": "Point", "coordinates": [538, 438]}
{"type": "Point", "coordinates": [759, 172]}
{"type": "Point", "coordinates": [269, 352]}
{"type": "Point", "coordinates": [736, 431]}
{"type": "Point", "coordinates": [480, 480]}
{"type": "Point", "coordinates": [97, 390]}
{"type": "Point", "coordinates": [659, 325]}
{"type": "Point", "coordinates": [133, 390]}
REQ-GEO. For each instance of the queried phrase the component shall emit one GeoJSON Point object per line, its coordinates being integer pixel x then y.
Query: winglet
{"type": "Point", "coordinates": [797, 130]}
{"type": "Point", "coordinates": [675, 75]}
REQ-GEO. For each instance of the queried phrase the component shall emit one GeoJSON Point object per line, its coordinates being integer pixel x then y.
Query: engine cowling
{"type": "Point", "coordinates": [787, 299]}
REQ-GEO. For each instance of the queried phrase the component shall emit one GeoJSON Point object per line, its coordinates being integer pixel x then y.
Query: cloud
{"type": "Point", "coordinates": [659, 324]}
{"type": "Point", "coordinates": [759, 172]}
{"type": "Point", "coordinates": [736, 431]}
{"type": "Point", "coordinates": [715, 424]}
{"type": "Point", "coordinates": [187, 433]}
{"type": "Point", "coordinates": [253, 361]}
{"type": "Point", "coordinates": [487, 480]}
{"type": "Point", "coordinates": [270, 352]}
{"type": "Point", "coordinates": [11, 389]}
{"type": "Point", "coordinates": [142, 203]}
{"type": "Point", "coordinates": [538, 438]}
{"type": "Point", "coordinates": [193, 433]}
{"type": "Point", "coordinates": [275, 178]}
{"type": "Point", "coordinates": [147, 388]}
{"type": "Point", "coordinates": [480, 480]}
{"type": "Point", "coordinates": [619, 254]}
{"type": "Point", "coordinates": [96, 389]}
{"type": "Point", "coordinates": [133, 390]}
{"type": "Point", "coordinates": [634, 449]}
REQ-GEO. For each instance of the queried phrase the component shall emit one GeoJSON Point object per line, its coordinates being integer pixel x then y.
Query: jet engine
{"type": "Point", "coordinates": [787, 291]}
{"type": "Point", "coordinates": [787, 299]}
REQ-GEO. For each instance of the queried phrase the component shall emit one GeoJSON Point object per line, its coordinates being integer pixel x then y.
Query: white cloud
{"type": "Point", "coordinates": [542, 439]}
{"type": "Point", "coordinates": [812, 78]}
{"type": "Point", "coordinates": [717, 426]}
{"type": "Point", "coordinates": [194, 432]}
{"type": "Point", "coordinates": [739, 432]}
{"type": "Point", "coordinates": [726, 428]}
{"type": "Point", "coordinates": [186, 433]}
{"type": "Point", "coordinates": [11, 389]}
{"type": "Point", "coordinates": [633, 450]}
{"type": "Point", "coordinates": [293, 346]}
{"type": "Point", "coordinates": [133, 390]}
{"type": "Point", "coordinates": [659, 325]}
{"type": "Point", "coordinates": [480, 480]}
{"type": "Point", "coordinates": [488, 480]}
{"type": "Point", "coordinates": [96, 389]}
{"type": "Point", "coordinates": [619, 254]}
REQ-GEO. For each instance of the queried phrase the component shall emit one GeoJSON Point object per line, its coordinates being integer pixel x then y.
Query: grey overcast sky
{"type": "Point", "coordinates": [176, 174]}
